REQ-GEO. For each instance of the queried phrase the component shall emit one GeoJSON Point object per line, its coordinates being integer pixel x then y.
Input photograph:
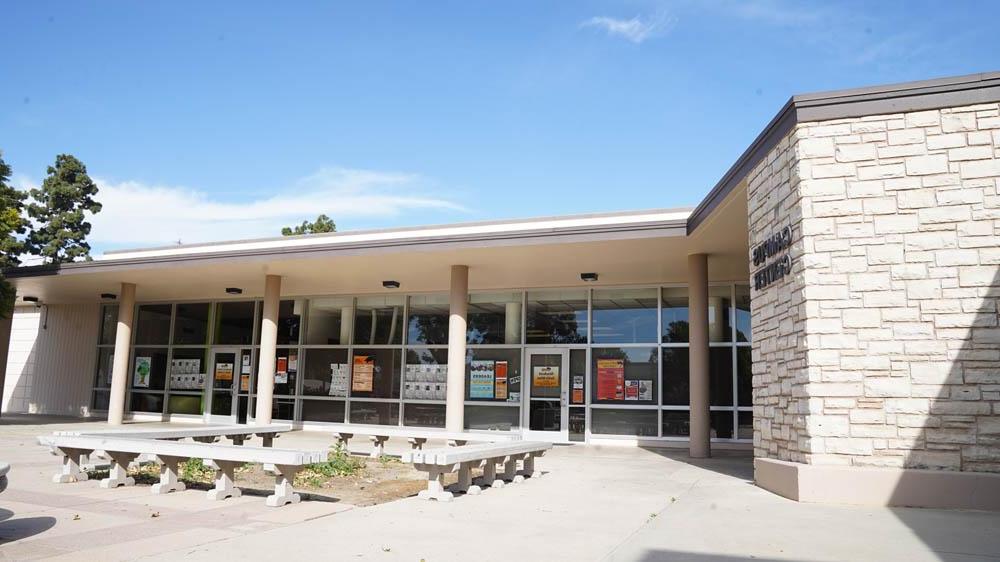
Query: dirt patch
{"type": "Point", "coordinates": [364, 481]}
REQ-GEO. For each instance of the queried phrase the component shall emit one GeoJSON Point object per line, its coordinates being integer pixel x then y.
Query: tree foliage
{"type": "Point", "coordinates": [58, 211]}
{"type": "Point", "coordinates": [12, 223]}
{"type": "Point", "coordinates": [323, 223]}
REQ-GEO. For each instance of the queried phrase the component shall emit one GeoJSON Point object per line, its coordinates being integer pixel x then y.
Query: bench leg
{"type": "Point", "coordinates": [378, 445]}
{"type": "Point", "coordinates": [284, 476]}
{"type": "Point", "coordinates": [489, 478]}
{"type": "Point", "coordinates": [435, 484]}
{"type": "Point", "coordinates": [168, 476]}
{"type": "Point", "coordinates": [509, 469]}
{"type": "Point", "coordinates": [417, 443]}
{"type": "Point", "coordinates": [464, 483]}
{"type": "Point", "coordinates": [224, 485]}
{"type": "Point", "coordinates": [528, 467]}
{"type": "Point", "coordinates": [267, 438]}
{"type": "Point", "coordinates": [206, 439]}
{"type": "Point", "coordinates": [457, 442]}
{"type": "Point", "coordinates": [71, 472]}
{"type": "Point", "coordinates": [118, 475]}
{"type": "Point", "coordinates": [519, 474]}
{"type": "Point", "coordinates": [342, 439]}
{"type": "Point", "coordinates": [237, 439]}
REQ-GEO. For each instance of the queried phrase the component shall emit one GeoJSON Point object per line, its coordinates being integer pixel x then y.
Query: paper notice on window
{"type": "Point", "coordinates": [500, 371]}
{"type": "Point", "coordinates": [481, 377]}
{"type": "Point", "coordinates": [545, 377]}
{"type": "Point", "coordinates": [364, 374]}
{"type": "Point", "coordinates": [338, 380]}
{"type": "Point", "coordinates": [610, 379]}
{"type": "Point", "coordinates": [244, 383]}
{"type": "Point", "coordinates": [645, 389]}
{"type": "Point", "coordinates": [631, 390]}
{"type": "Point", "coordinates": [143, 369]}
{"type": "Point", "coordinates": [245, 369]}
{"type": "Point", "coordinates": [223, 371]}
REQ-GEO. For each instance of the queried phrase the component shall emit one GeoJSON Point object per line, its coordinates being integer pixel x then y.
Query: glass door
{"type": "Point", "coordinates": [232, 377]}
{"type": "Point", "coordinates": [547, 395]}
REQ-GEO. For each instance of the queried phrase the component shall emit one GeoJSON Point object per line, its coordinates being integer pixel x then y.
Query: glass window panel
{"type": "Point", "coordinates": [191, 324]}
{"type": "Point", "coordinates": [105, 357]}
{"type": "Point", "coordinates": [289, 321]}
{"type": "Point", "coordinates": [153, 324]}
{"type": "Point", "coordinates": [722, 424]}
{"type": "Point", "coordinates": [426, 375]}
{"type": "Point", "coordinates": [225, 369]}
{"type": "Point", "coordinates": [143, 402]}
{"type": "Point", "coordinates": [428, 321]}
{"type": "Point", "coordinates": [506, 366]}
{"type": "Point", "coordinates": [188, 369]}
{"type": "Point", "coordinates": [676, 376]}
{"type": "Point", "coordinates": [222, 403]}
{"type": "Point", "coordinates": [720, 376]}
{"type": "Point", "coordinates": [624, 375]}
{"type": "Point", "coordinates": [676, 423]}
{"type": "Point", "coordinates": [674, 315]}
{"type": "Point", "coordinates": [283, 409]}
{"type": "Point", "coordinates": [719, 311]}
{"type": "Point", "coordinates": [378, 413]}
{"type": "Point", "coordinates": [496, 418]}
{"type": "Point", "coordinates": [624, 315]}
{"type": "Point", "coordinates": [494, 318]}
{"type": "Point", "coordinates": [743, 313]}
{"type": "Point", "coordinates": [557, 317]}
{"type": "Point", "coordinates": [577, 424]}
{"type": "Point", "coordinates": [184, 404]}
{"type": "Point", "coordinates": [286, 371]}
{"type": "Point", "coordinates": [379, 320]}
{"type": "Point", "coordinates": [149, 368]}
{"type": "Point", "coordinates": [744, 428]}
{"type": "Point", "coordinates": [234, 323]}
{"type": "Point", "coordinates": [325, 372]}
{"type": "Point", "coordinates": [329, 321]}
{"type": "Point", "coordinates": [544, 415]}
{"type": "Point", "coordinates": [375, 373]}
{"type": "Point", "coordinates": [640, 423]}
{"type": "Point", "coordinates": [323, 411]}
{"type": "Point", "coordinates": [578, 376]}
{"type": "Point", "coordinates": [109, 324]}
{"type": "Point", "coordinates": [744, 377]}
{"type": "Point", "coordinates": [423, 415]}
{"type": "Point", "coordinates": [100, 400]}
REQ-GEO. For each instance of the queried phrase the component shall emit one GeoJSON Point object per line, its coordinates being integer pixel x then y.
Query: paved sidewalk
{"type": "Point", "coordinates": [593, 503]}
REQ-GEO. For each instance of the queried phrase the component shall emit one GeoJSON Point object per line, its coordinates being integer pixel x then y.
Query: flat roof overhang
{"type": "Point", "coordinates": [648, 247]}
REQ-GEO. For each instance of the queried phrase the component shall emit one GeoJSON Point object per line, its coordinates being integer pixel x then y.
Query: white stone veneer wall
{"type": "Point", "coordinates": [883, 347]}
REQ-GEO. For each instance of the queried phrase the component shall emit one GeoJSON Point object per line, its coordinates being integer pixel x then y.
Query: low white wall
{"type": "Point", "coordinates": [52, 360]}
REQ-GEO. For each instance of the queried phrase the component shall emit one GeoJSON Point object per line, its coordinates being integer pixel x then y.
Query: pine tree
{"type": "Point", "coordinates": [58, 211]}
{"type": "Point", "coordinates": [323, 224]}
{"type": "Point", "coordinates": [12, 223]}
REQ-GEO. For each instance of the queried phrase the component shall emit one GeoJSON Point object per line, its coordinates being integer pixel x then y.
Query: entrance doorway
{"type": "Point", "coordinates": [231, 381]}
{"type": "Point", "coordinates": [547, 394]}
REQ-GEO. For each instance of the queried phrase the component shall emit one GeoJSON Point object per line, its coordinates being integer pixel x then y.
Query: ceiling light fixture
{"type": "Point", "coordinates": [109, 296]}
{"type": "Point", "coordinates": [588, 277]}
{"type": "Point", "coordinates": [390, 284]}
{"type": "Point", "coordinates": [234, 291]}
{"type": "Point", "coordinates": [30, 299]}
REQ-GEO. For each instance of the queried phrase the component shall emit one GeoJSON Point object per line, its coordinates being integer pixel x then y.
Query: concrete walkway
{"type": "Point", "coordinates": [594, 503]}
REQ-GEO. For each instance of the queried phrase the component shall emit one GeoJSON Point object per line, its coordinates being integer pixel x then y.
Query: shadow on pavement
{"type": "Point", "coordinates": [681, 556]}
{"type": "Point", "coordinates": [42, 419]}
{"type": "Point", "coordinates": [16, 529]}
{"type": "Point", "coordinates": [737, 464]}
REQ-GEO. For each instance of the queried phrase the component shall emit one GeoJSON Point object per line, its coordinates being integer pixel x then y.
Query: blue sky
{"type": "Point", "coordinates": [215, 120]}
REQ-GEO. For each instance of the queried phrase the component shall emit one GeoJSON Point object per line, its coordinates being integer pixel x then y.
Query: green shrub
{"type": "Point", "coordinates": [338, 463]}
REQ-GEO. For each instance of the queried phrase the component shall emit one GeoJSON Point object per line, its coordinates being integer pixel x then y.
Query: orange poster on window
{"type": "Point", "coordinates": [364, 374]}
{"type": "Point", "coordinates": [610, 379]}
{"type": "Point", "coordinates": [500, 389]}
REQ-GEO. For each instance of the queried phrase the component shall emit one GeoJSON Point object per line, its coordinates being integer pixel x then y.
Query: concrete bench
{"type": "Point", "coordinates": [223, 458]}
{"type": "Point", "coordinates": [203, 434]}
{"type": "Point", "coordinates": [438, 462]}
{"type": "Point", "coordinates": [417, 437]}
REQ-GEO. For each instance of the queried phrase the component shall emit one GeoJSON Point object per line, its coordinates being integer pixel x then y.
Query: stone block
{"type": "Point", "coordinates": [896, 224]}
{"type": "Point", "coordinates": [855, 153]}
{"type": "Point", "coordinates": [885, 254]}
{"type": "Point", "coordinates": [837, 208]}
{"type": "Point", "coordinates": [936, 372]}
{"type": "Point", "coordinates": [917, 241]}
{"type": "Point", "coordinates": [926, 165]}
{"type": "Point", "coordinates": [815, 147]}
{"type": "Point", "coordinates": [886, 387]}
{"type": "Point", "coordinates": [883, 171]}
{"type": "Point", "coordinates": [869, 281]}
{"type": "Point", "coordinates": [980, 169]}
{"type": "Point", "coordinates": [960, 408]}
{"type": "Point", "coordinates": [936, 215]}
{"type": "Point", "coordinates": [954, 257]}
{"type": "Point", "coordinates": [923, 118]}
{"type": "Point", "coordinates": [957, 122]}
{"type": "Point", "coordinates": [978, 276]}
{"type": "Point", "coordinates": [951, 140]}
{"type": "Point", "coordinates": [906, 136]}
{"type": "Point", "coordinates": [862, 318]}
{"type": "Point", "coordinates": [907, 406]}
{"type": "Point", "coordinates": [916, 198]}
{"type": "Point", "coordinates": [827, 426]}
{"type": "Point", "coordinates": [822, 187]}
{"type": "Point", "coordinates": [873, 188]}
{"type": "Point", "coordinates": [970, 153]}
{"type": "Point", "coordinates": [848, 445]}
{"type": "Point", "coordinates": [821, 171]}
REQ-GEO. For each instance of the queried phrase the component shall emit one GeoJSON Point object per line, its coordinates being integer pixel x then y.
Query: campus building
{"type": "Point", "coordinates": [832, 305]}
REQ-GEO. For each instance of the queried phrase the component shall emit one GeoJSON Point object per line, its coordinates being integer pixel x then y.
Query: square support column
{"type": "Point", "coordinates": [6, 324]}
{"type": "Point", "coordinates": [268, 348]}
{"type": "Point", "coordinates": [457, 323]}
{"type": "Point", "coordinates": [700, 440]}
{"type": "Point", "coordinates": [119, 364]}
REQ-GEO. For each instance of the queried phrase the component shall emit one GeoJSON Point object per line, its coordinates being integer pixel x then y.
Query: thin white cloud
{"type": "Point", "coordinates": [137, 214]}
{"type": "Point", "coordinates": [635, 30]}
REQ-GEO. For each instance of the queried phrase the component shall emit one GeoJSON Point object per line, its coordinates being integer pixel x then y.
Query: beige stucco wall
{"type": "Point", "coordinates": [883, 347]}
{"type": "Point", "coordinates": [51, 362]}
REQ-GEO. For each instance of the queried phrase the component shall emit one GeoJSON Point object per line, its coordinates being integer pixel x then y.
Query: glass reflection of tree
{"type": "Point", "coordinates": [429, 328]}
{"type": "Point", "coordinates": [557, 327]}
{"type": "Point", "coordinates": [677, 332]}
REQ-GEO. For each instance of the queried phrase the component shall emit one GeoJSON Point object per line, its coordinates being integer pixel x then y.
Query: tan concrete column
{"type": "Point", "coordinates": [457, 324]}
{"type": "Point", "coordinates": [268, 348]}
{"type": "Point", "coordinates": [119, 364]}
{"type": "Point", "coordinates": [6, 324]}
{"type": "Point", "coordinates": [699, 444]}
{"type": "Point", "coordinates": [512, 328]}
